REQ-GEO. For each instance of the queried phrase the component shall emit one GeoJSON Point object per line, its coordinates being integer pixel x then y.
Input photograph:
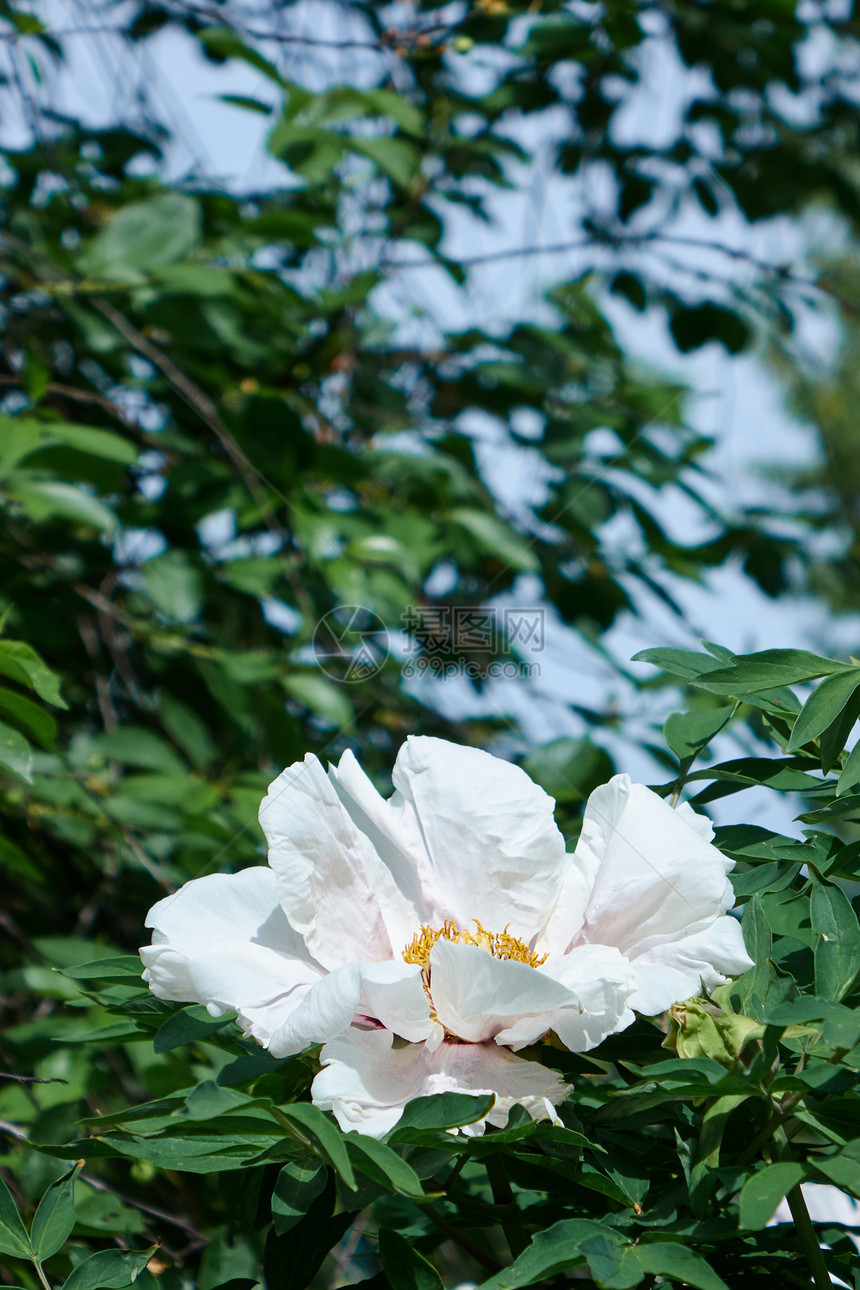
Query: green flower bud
{"type": "Point", "coordinates": [701, 1028]}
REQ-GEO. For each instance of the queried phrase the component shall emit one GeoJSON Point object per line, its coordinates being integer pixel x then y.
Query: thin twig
{"type": "Point", "coordinates": [475, 1252]}
{"type": "Point", "coordinates": [97, 1185]}
{"type": "Point", "coordinates": [33, 1079]}
{"type": "Point", "coordinates": [509, 1214]}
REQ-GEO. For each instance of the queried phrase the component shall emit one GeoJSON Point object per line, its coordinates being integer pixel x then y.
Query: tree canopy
{"type": "Point", "coordinates": [249, 487]}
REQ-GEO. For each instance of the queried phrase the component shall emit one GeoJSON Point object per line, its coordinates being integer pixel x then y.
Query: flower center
{"type": "Point", "coordinates": [500, 944]}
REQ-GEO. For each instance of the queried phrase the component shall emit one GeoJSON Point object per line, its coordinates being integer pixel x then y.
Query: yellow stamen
{"type": "Point", "coordinates": [500, 944]}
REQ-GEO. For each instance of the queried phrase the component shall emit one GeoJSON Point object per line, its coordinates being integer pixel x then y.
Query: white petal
{"type": "Point", "coordinates": [600, 981]}
{"type": "Point", "coordinates": [490, 849]}
{"type": "Point", "coordinates": [476, 996]}
{"type": "Point", "coordinates": [656, 878]}
{"type": "Point", "coordinates": [390, 993]}
{"type": "Point", "coordinates": [676, 970]}
{"type": "Point", "coordinates": [366, 1082]}
{"type": "Point", "coordinates": [565, 921]}
{"type": "Point", "coordinates": [700, 823]}
{"type": "Point", "coordinates": [223, 941]}
{"type": "Point", "coordinates": [393, 994]}
{"type": "Point", "coordinates": [233, 906]}
{"type": "Point", "coordinates": [332, 885]}
{"type": "Point", "coordinates": [395, 836]}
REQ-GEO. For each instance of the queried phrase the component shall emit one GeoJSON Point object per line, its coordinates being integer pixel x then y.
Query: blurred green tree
{"type": "Point", "coordinates": [218, 433]}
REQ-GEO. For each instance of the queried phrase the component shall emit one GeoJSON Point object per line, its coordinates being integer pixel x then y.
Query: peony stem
{"type": "Point", "coordinates": [484, 1260]}
{"type": "Point", "coordinates": [808, 1239]}
{"type": "Point", "coordinates": [511, 1218]}
{"type": "Point", "coordinates": [802, 1221]}
{"type": "Point", "coordinates": [40, 1274]}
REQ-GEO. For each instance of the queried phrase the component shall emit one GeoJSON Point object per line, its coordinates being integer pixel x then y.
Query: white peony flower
{"type": "Point", "coordinates": [449, 915]}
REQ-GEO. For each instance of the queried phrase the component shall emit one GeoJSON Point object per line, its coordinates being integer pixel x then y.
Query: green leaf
{"type": "Point", "coordinates": [136, 746]}
{"type": "Point", "coordinates": [175, 586]}
{"type": "Point", "coordinates": [15, 753]}
{"type": "Point", "coordinates": [762, 1193]}
{"type": "Point", "coordinates": [384, 1166]}
{"type": "Point", "coordinates": [55, 1216]}
{"type": "Point", "coordinates": [187, 730]}
{"type": "Point", "coordinates": [404, 1267]}
{"type": "Point", "coordinates": [850, 777]}
{"type": "Point", "coordinates": [768, 669]}
{"type": "Point", "coordinates": [688, 733]}
{"type": "Point", "coordinates": [321, 1135]}
{"type": "Point", "coordinates": [678, 662]}
{"type": "Point", "coordinates": [678, 1263]}
{"type": "Point", "coordinates": [29, 717]}
{"type": "Point", "coordinates": [494, 537]}
{"type": "Point", "coordinates": [842, 1169]}
{"type": "Point", "coordinates": [837, 949]}
{"type": "Point", "coordinates": [569, 769]}
{"type": "Point", "coordinates": [109, 1270]}
{"type": "Point", "coordinates": [551, 1252]}
{"type": "Point", "coordinates": [320, 696]}
{"type": "Point", "coordinates": [208, 1100]}
{"type": "Point", "coordinates": [758, 940]}
{"type": "Point", "coordinates": [13, 1235]}
{"type": "Point", "coordinates": [142, 236]}
{"type": "Point", "coordinates": [610, 1264]}
{"type": "Point", "coordinates": [21, 663]}
{"type": "Point", "coordinates": [291, 1261]}
{"type": "Point", "coordinates": [19, 436]}
{"type": "Point", "coordinates": [118, 968]}
{"type": "Point", "coordinates": [190, 1025]}
{"type": "Point", "coordinates": [396, 158]}
{"type": "Point", "coordinates": [441, 1111]}
{"type": "Point", "coordinates": [49, 499]}
{"type": "Point", "coordinates": [823, 706]}
{"type": "Point", "coordinates": [695, 325]}
{"type": "Point", "coordinates": [12, 857]}
{"type": "Point", "coordinates": [223, 42]}
{"type": "Point", "coordinates": [297, 1186]}
{"type": "Point", "coordinates": [94, 442]}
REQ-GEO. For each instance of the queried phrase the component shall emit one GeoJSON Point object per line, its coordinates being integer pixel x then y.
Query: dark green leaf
{"type": "Point", "coordinates": [28, 716]}
{"type": "Point", "coordinates": [297, 1187]}
{"type": "Point", "coordinates": [677, 1262]}
{"type": "Point", "coordinates": [404, 1267]}
{"type": "Point", "coordinates": [322, 1136]}
{"type": "Point", "coordinates": [551, 1252]}
{"type": "Point", "coordinates": [291, 1261]}
{"type": "Point", "coordinates": [21, 662]}
{"type": "Point", "coordinates": [689, 732]}
{"type": "Point", "coordinates": [189, 1026]}
{"type": "Point", "coordinates": [441, 1111]}
{"type": "Point", "coordinates": [767, 669]}
{"type": "Point", "coordinates": [55, 1216]}
{"type": "Point", "coordinates": [384, 1166]}
{"type": "Point", "coordinates": [849, 780]}
{"type": "Point", "coordinates": [109, 1270]}
{"type": "Point", "coordinates": [823, 706]}
{"type": "Point", "coordinates": [13, 1235]}
{"type": "Point", "coordinates": [124, 967]}
{"type": "Point", "coordinates": [15, 752]}
{"type": "Point", "coordinates": [837, 949]}
{"type": "Point", "coordinates": [762, 1193]}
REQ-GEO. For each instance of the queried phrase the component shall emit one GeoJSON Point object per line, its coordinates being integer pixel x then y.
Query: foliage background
{"type": "Point", "coordinates": [219, 422]}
